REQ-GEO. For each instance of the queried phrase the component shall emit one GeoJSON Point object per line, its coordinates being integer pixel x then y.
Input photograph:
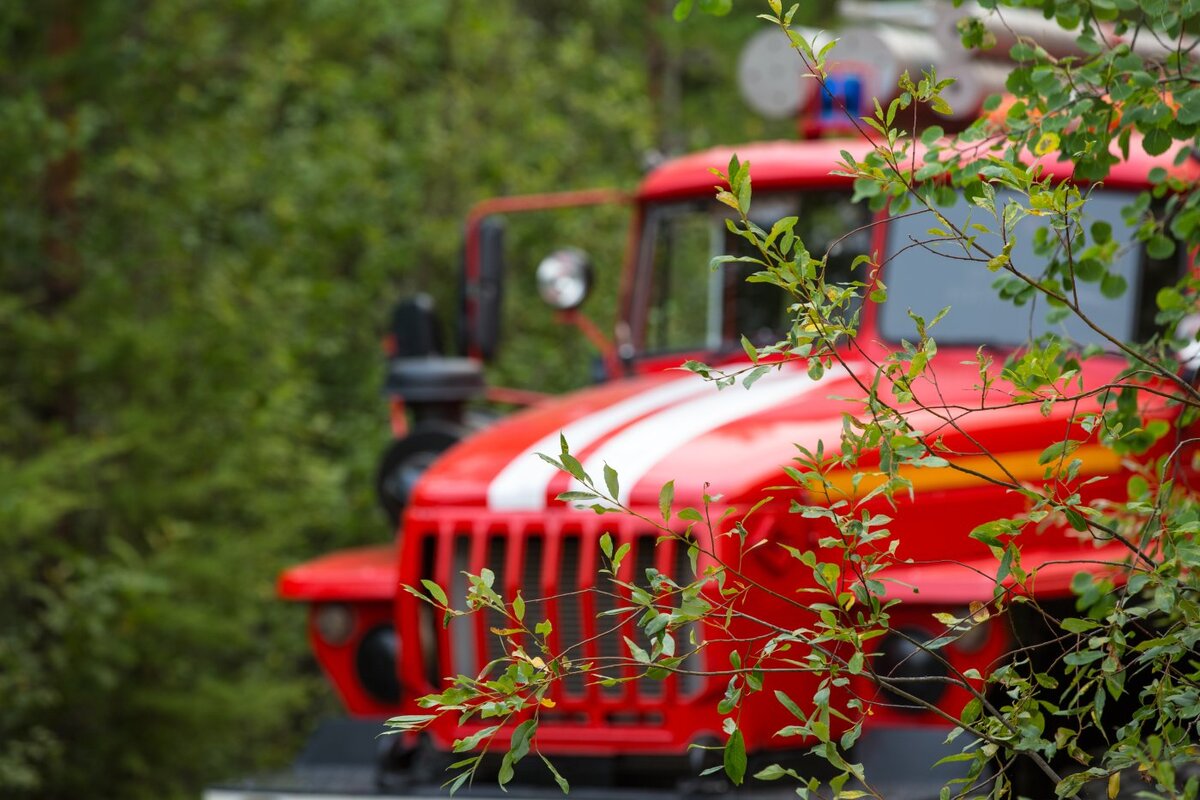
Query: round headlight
{"type": "Point", "coordinates": [375, 664]}
{"type": "Point", "coordinates": [564, 278]}
{"type": "Point", "coordinates": [907, 663]}
{"type": "Point", "coordinates": [334, 623]}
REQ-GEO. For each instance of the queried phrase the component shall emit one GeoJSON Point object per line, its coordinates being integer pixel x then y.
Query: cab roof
{"type": "Point", "coordinates": [809, 163]}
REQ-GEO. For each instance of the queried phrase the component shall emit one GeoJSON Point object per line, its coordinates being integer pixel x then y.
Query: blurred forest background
{"type": "Point", "coordinates": [208, 207]}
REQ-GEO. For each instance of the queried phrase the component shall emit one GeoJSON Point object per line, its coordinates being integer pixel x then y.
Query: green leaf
{"type": "Point", "coordinates": [682, 9]}
{"type": "Point", "coordinates": [1075, 625]}
{"type": "Point", "coordinates": [457, 783]}
{"type": "Point", "coordinates": [576, 496]}
{"type": "Point", "coordinates": [666, 496]}
{"type": "Point", "coordinates": [1160, 247]}
{"type": "Point", "coordinates": [521, 738]}
{"type": "Point", "coordinates": [1113, 285]}
{"type": "Point", "coordinates": [750, 349]}
{"type": "Point", "coordinates": [1057, 451]}
{"type": "Point", "coordinates": [1156, 142]}
{"type": "Point", "coordinates": [610, 481]}
{"type": "Point", "coordinates": [754, 375]}
{"type": "Point", "coordinates": [717, 8]}
{"type": "Point", "coordinates": [410, 721]}
{"type": "Point", "coordinates": [773, 772]}
{"type": "Point", "coordinates": [518, 605]}
{"type": "Point", "coordinates": [572, 465]}
{"type": "Point", "coordinates": [559, 779]}
{"type": "Point", "coordinates": [619, 556]}
{"type": "Point", "coordinates": [472, 741]}
{"type": "Point", "coordinates": [639, 655]}
{"type": "Point", "coordinates": [735, 758]}
{"type": "Point", "coordinates": [790, 705]}
{"type": "Point", "coordinates": [435, 591]}
{"type": "Point", "coordinates": [505, 775]}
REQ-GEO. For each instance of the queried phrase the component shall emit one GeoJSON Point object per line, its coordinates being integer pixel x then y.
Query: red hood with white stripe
{"type": "Point", "coordinates": [676, 426]}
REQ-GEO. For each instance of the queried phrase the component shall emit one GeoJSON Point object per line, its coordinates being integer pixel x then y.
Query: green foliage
{"type": "Point", "coordinates": [207, 210]}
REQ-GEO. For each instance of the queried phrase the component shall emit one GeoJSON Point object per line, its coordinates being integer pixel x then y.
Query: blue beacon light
{"type": "Point", "coordinates": [848, 89]}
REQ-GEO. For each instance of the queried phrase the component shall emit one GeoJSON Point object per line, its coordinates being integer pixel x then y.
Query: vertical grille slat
{"type": "Point", "coordinates": [497, 550]}
{"type": "Point", "coordinates": [588, 609]}
{"type": "Point", "coordinates": [570, 610]}
{"type": "Point", "coordinates": [478, 561]}
{"type": "Point", "coordinates": [609, 645]}
{"type": "Point", "coordinates": [687, 686]}
{"type": "Point", "coordinates": [645, 552]}
{"type": "Point", "coordinates": [531, 582]}
{"type": "Point", "coordinates": [462, 646]}
{"type": "Point", "coordinates": [428, 618]}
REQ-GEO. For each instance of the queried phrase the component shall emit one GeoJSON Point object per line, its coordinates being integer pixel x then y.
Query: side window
{"type": "Point", "coordinates": [679, 299]}
{"type": "Point", "coordinates": [828, 224]}
{"type": "Point", "coordinates": [692, 306]}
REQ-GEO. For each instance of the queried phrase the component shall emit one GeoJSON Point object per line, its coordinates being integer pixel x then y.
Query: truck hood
{"type": "Point", "coordinates": [730, 442]}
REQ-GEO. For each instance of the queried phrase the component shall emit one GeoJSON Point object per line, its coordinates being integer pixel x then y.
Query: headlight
{"type": "Point", "coordinates": [901, 659]}
{"type": "Point", "coordinates": [334, 623]}
{"type": "Point", "coordinates": [564, 278]}
{"type": "Point", "coordinates": [375, 663]}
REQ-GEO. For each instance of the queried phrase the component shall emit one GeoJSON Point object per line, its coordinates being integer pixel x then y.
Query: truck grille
{"type": "Point", "coordinates": [555, 566]}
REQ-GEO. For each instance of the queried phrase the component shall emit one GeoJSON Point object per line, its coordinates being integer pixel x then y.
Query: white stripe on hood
{"type": "Point", "coordinates": [633, 451]}
{"type": "Point", "coordinates": [524, 481]}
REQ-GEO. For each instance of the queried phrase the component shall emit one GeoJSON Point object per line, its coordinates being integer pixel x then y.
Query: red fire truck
{"type": "Point", "coordinates": [470, 497]}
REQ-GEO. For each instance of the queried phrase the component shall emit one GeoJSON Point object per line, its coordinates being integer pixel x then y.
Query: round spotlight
{"type": "Point", "coordinates": [376, 661]}
{"type": "Point", "coordinates": [334, 623]}
{"type": "Point", "coordinates": [901, 659]}
{"type": "Point", "coordinates": [564, 278]}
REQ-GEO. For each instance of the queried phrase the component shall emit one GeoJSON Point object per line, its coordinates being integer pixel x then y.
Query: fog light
{"type": "Point", "coordinates": [334, 623]}
{"type": "Point", "coordinates": [375, 663]}
{"type": "Point", "coordinates": [908, 663]}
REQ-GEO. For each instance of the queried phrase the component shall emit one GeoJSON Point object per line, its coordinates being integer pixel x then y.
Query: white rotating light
{"type": "Point", "coordinates": [771, 75]}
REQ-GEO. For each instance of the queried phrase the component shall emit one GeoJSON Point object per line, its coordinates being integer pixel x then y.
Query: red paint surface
{"type": "Point", "coordinates": [367, 573]}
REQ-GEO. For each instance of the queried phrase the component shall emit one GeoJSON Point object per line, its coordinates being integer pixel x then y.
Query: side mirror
{"type": "Point", "coordinates": [564, 278]}
{"type": "Point", "coordinates": [488, 289]}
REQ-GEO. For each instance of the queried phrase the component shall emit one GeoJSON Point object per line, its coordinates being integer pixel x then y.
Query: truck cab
{"type": "Point", "coordinates": [489, 501]}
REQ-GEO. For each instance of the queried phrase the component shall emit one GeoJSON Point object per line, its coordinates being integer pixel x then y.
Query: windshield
{"type": "Point", "coordinates": [928, 277]}
{"type": "Point", "coordinates": [689, 306]}
{"type": "Point", "coordinates": [693, 307]}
